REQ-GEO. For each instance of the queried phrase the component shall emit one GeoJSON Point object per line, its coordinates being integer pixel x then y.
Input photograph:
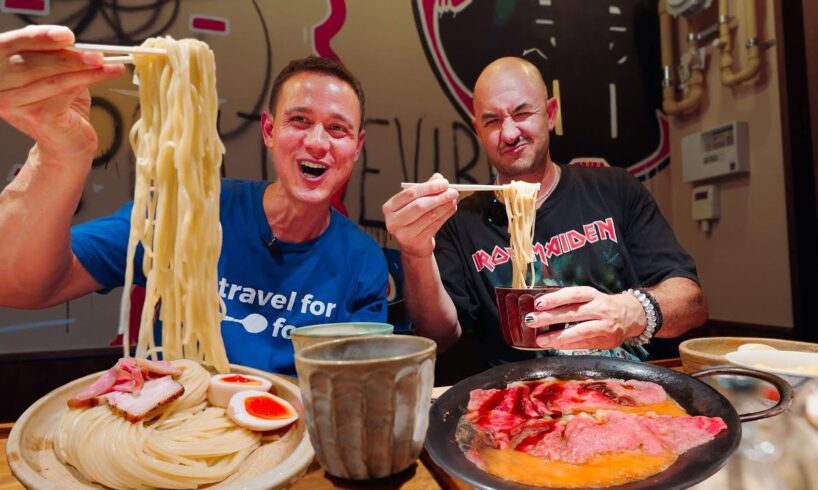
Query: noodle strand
{"type": "Point", "coordinates": [521, 199]}
{"type": "Point", "coordinates": [175, 214]}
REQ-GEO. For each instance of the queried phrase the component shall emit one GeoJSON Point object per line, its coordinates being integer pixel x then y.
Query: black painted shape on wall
{"type": "Point", "coordinates": [596, 50]}
{"type": "Point", "coordinates": [112, 146]}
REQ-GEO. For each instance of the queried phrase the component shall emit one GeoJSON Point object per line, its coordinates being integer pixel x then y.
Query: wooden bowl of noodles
{"type": "Point", "coordinates": [32, 459]}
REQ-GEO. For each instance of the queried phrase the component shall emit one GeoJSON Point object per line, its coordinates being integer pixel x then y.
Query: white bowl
{"type": "Point", "coordinates": [31, 456]}
{"type": "Point", "coordinates": [786, 363]}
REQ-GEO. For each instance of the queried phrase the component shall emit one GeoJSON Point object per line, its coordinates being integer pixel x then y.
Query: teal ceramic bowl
{"type": "Point", "coordinates": [315, 334]}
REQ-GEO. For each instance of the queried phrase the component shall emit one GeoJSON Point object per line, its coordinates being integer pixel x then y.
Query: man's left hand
{"type": "Point", "coordinates": [601, 321]}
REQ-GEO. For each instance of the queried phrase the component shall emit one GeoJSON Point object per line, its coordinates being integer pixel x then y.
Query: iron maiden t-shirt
{"type": "Point", "coordinates": [600, 227]}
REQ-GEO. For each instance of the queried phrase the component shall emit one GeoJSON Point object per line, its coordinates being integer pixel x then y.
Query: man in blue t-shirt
{"type": "Point", "coordinates": [287, 259]}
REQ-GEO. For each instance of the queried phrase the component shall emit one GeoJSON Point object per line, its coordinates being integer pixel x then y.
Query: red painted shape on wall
{"type": "Point", "coordinates": [323, 33]}
{"type": "Point", "coordinates": [25, 4]}
{"type": "Point", "coordinates": [209, 24]}
{"type": "Point", "coordinates": [31, 7]}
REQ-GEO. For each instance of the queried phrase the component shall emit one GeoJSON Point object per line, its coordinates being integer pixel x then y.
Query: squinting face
{"type": "Point", "coordinates": [314, 135]}
{"type": "Point", "coordinates": [512, 121]}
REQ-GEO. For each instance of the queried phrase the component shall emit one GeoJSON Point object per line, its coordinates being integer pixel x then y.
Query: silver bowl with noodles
{"type": "Point", "coordinates": [32, 459]}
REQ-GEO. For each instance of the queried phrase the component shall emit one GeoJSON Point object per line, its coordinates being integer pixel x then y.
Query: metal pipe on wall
{"type": "Point", "coordinates": [695, 85]}
{"type": "Point", "coordinates": [729, 77]}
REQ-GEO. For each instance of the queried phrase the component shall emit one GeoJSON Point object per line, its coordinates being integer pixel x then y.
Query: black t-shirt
{"type": "Point", "coordinates": [600, 227]}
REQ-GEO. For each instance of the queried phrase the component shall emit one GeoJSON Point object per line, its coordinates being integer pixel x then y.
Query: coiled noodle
{"type": "Point", "coordinates": [190, 444]}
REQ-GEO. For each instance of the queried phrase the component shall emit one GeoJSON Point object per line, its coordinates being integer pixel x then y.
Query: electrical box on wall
{"type": "Point", "coordinates": [716, 152]}
{"type": "Point", "coordinates": [705, 207]}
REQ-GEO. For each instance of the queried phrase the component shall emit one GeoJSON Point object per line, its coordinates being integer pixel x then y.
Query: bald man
{"type": "Point", "coordinates": [598, 232]}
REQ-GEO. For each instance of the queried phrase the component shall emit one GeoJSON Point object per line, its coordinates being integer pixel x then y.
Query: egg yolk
{"type": "Point", "coordinates": [265, 407]}
{"type": "Point", "coordinates": [237, 378]}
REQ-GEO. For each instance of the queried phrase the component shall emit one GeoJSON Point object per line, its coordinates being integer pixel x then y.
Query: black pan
{"type": "Point", "coordinates": [695, 396]}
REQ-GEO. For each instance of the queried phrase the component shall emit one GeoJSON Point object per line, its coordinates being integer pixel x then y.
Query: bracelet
{"type": "Point", "coordinates": [652, 312]}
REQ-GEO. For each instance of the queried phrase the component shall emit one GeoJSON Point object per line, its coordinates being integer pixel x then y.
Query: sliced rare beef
{"type": "Point", "coordinates": [556, 397]}
{"type": "Point", "coordinates": [535, 418]}
{"type": "Point", "coordinates": [539, 437]}
{"type": "Point", "coordinates": [587, 436]}
{"type": "Point", "coordinates": [682, 433]}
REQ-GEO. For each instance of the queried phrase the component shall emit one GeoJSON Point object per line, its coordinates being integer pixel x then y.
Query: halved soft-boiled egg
{"type": "Point", "coordinates": [259, 410]}
{"type": "Point", "coordinates": [224, 386]}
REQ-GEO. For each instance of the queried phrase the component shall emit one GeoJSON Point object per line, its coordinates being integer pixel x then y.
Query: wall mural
{"type": "Point", "coordinates": [605, 113]}
{"type": "Point", "coordinates": [606, 73]}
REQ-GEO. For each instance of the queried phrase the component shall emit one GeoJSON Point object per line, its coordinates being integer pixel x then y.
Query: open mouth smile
{"type": "Point", "coordinates": [312, 170]}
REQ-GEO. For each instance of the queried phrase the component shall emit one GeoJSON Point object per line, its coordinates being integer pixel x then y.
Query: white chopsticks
{"type": "Point", "coordinates": [107, 48]}
{"type": "Point", "coordinates": [126, 51]}
{"type": "Point", "coordinates": [462, 187]}
{"type": "Point", "coordinates": [118, 59]}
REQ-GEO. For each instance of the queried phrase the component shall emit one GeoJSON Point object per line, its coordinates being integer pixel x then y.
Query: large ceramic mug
{"type": "Point", "coordinates": [367, 402]}
{"type": "Point", "coordinates": [314, 334]}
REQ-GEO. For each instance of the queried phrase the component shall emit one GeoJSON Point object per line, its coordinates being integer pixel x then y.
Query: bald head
{"type": "Point", "coordinates": [512, 119]}
{"type": "Point", "coordinates": [508, 73]}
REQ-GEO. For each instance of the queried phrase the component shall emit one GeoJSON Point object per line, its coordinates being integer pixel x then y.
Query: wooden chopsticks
{"type": "Point", "coordinates": [462, 187]}
{"type": "Point", "coordinates": [125, 51]}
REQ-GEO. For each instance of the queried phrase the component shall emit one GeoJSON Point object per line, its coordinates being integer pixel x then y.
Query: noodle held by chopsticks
{"type": "Point", "coordinates": [175, 214]}
{"type": "Point", "coordinates": [521, 199]}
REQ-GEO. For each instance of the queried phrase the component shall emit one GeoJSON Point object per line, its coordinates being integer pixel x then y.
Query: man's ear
{"type": "Point", "coordinates": [361, 138]}
{"type": "Point", "coordinates": [552, 109]}
{"type": "Point", "coordinates": [267, 129]}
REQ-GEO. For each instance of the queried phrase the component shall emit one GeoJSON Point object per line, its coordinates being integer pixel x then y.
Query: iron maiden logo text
{"type": "Point", "coordinates": [556, 246]}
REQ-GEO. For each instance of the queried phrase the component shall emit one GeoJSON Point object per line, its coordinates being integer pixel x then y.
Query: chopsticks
{"type": "Point", "coordinates": [462, 187]}
{"type": "Point", "coordinates": [126, 51]}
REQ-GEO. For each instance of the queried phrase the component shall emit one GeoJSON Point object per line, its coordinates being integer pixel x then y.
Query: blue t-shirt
{"type": "Point", "coordinates": [339, 276]}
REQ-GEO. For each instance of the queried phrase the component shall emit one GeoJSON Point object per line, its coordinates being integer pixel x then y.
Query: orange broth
{"type": "Point", "coordinates": [603, 470]}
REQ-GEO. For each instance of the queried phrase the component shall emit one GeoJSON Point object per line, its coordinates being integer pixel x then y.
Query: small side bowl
{"type": "Point", "coordinates": [513, 304]}
{"type": "Point", "coordinates": [315, 334]}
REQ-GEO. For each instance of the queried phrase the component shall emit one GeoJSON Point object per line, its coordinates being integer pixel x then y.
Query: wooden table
{"type": "Point", "coordinates": [423, 475]}
{"type": "Point", "coordinates": [7, 480]}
